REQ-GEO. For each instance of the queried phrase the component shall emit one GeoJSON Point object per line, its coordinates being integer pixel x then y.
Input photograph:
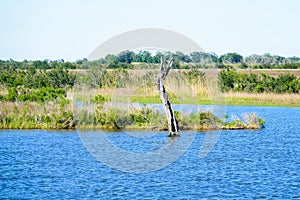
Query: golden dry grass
{"type": "Point", "coordinates": [239, 98]}
{"type": "Point", "coordinates": [271, 72]}
{"type": "Point", "coordinates": [33, 108]}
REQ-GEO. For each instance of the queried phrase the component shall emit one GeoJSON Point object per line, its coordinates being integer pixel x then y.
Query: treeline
{"type": "Point", "coordinates": [200, 58]}
{"type": "Point", "coordinates": [230, 80]}
{"type": "Point", "coordinates": [146, 59]}
{"type": "Point", "coordinates": [39, 64]}
{"type": "Point", "coordinates": [128, 59]}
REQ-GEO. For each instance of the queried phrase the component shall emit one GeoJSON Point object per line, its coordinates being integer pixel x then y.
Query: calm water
{"type": "Point", "coordinates": [37, 164]}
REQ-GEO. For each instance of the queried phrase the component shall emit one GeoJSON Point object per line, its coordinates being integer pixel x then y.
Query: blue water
{"type": "Point", "coordinates": [36, 164]}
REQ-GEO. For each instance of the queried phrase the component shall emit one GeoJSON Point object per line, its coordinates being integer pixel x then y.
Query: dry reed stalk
{"type": "Point", "coordinates": [33, 108]}
{"type": "Point", "coordinates": [285, 99]}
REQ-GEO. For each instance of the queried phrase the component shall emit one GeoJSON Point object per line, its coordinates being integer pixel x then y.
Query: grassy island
{"type": "Point", "coordinates": [59, 115]}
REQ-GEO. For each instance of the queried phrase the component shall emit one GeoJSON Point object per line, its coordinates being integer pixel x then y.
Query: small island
{"type": "Point", "coordinates": [146, 118]}
{"type": "Point", "coordinates": [32, 115]}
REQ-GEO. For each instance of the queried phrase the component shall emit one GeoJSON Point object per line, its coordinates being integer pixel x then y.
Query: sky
{"type": "Point", "coordinates": [72, 29]}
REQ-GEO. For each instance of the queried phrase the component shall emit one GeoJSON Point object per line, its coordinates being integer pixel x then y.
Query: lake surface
{"type": "Point", "coordinates": [37, 164]}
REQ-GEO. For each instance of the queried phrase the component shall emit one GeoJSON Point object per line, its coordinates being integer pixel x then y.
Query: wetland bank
{"type": "Point", "coordinates": [42, 94]}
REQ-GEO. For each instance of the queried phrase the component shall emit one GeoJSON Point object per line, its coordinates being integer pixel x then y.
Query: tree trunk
{"type": "Point", "coordinates": [172, 122]}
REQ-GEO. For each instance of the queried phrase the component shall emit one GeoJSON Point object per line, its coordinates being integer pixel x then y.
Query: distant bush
{"type": "Point", "coordinates": [230, 80]}
{"type": "Point", "coordinates": [32, 78]}
{"type": "Point", "coordinates": [42, 94]}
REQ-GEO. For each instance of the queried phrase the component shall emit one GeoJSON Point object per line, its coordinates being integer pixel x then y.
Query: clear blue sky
{"type": "Point", "coordinates": [71, 29]}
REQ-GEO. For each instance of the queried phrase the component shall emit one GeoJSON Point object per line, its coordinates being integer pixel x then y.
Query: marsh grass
{"type": "Point", "coordinates": [183, 86]}
{"type": "Point", "coordinates": [263, 99]}
{"type": "Point", "coordinates": [33, 115]}
{"type": "Point", "coordinates": [106, 115]}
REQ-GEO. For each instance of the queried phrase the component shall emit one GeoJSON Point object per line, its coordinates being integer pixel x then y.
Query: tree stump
{"type": "Point", "coordinates": [172, 122]}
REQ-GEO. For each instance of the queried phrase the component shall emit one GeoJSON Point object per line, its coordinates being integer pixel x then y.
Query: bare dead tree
{"type": "Point", "coordinates": [172, 122]}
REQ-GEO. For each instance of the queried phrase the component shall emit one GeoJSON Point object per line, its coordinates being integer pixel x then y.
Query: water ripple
{"type": "Point", "coordinates": [263, 164]}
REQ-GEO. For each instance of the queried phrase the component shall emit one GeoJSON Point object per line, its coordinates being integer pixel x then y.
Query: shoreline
{"type": "Point", "coordinates": [235, 99]}
{"type": "Point", "coordinates": [45, 117]}
{"type": "Point", "coordinates": [245, 127]}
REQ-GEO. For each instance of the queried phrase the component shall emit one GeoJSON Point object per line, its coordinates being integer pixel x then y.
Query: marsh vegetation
{"type": "Point", "coordinates": [41, 94]}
